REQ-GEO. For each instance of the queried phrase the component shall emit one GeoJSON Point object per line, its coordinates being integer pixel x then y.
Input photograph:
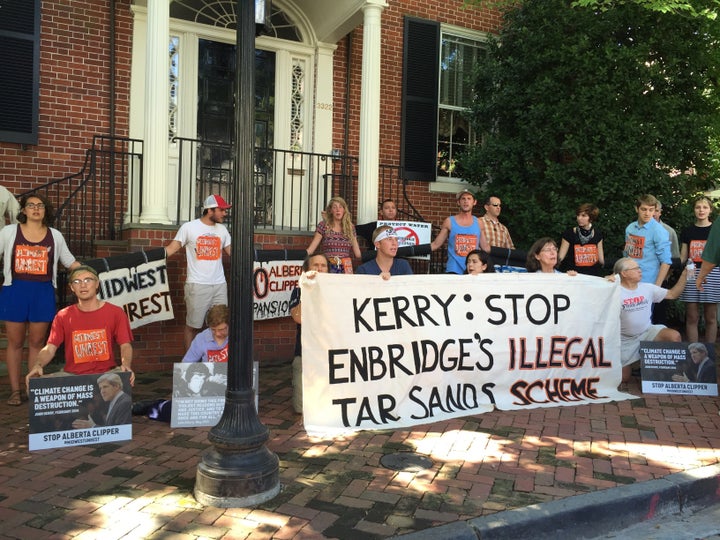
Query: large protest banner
{"type": "Point", "coordinates": [76, 410]}
{"type": "Point", "coordinates": [142, 291]}
{"type": "Point", "coordinates": [273, 283]}
{"type": "Point", "coordinates": [416, 349]}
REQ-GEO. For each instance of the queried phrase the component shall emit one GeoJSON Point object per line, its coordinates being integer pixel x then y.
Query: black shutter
{"type": "Point", "coordinates": [418, 143]}
{"type": "Point", "coordinates": [19, 70]}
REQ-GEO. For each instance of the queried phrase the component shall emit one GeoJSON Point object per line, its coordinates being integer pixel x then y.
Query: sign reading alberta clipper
{"type": "Point", "coordinates": [79, 410]}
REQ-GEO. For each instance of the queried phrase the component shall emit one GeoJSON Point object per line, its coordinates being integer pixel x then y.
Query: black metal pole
{"type": "Point", "coordinates": [238, 470]}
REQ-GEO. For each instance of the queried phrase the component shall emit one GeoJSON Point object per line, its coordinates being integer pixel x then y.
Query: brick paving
{"type": "Point", "coordinates": [337, 488]}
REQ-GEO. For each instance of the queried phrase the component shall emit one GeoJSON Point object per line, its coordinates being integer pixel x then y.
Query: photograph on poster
{"type": "Point", "coordinates": [199, 393]}
{"type": "Point", "coordinates": [678, 368]}
{"type": "Point", "coordinates": [79, 409]}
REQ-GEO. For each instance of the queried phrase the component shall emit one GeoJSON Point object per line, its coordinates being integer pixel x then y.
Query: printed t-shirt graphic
{"type": "Point", "coordinates": [465, 243]}
{"type": "Point", "coordinates": [90, 346]}
{"type": "Point", "coordinates": [218, 356]}
{"type": "Point", "coordinates": [32, 259]}
{"type": "Point", "coordinates": [634, 246]}
{"type": "Point", "coordinates": [208, 248]}
{"type": "Point", "coordinates": [586, 255]}
{"type": "Point", "coordinates": [695, 250]}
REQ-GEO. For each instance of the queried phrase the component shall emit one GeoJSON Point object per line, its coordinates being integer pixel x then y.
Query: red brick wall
{"type": "Point", "coordinates": [433, 206]}
{"type": "Point", "coordinates": [159, 344]}
{"type": "Point", "coordinates": [74, 90]}
{"type": "Point", "coordinates": [75, 105]}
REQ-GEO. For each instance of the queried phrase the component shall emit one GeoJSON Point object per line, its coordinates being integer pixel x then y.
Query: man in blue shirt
{"type": "Point", "coordinates": [648, 242]}
{"type": "Point", "coordinates": [385, 264]}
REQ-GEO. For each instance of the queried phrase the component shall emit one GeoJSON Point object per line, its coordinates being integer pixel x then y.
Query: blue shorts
{"type": "Point", "coordinates": [27, 301]}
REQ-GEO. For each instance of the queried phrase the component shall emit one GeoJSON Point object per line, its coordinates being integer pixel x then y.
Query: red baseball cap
{"type": "Point", "coordinates": [216, 201]}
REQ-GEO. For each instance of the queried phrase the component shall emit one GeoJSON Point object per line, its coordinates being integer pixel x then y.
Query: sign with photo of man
{"type": "Point", "coordinates": [79, 409]}
{"type": "Point", "coordinates": [678, 368]}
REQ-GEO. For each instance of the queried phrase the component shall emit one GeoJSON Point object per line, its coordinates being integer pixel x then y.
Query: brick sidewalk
{"type": "Point", "coordinates": [338, 488]}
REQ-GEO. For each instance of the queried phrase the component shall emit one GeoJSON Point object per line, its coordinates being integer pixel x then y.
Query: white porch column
{"type": "Point", "coordinates": [155, 171]}
{"type": "Point", "coordinates": [370, 113]}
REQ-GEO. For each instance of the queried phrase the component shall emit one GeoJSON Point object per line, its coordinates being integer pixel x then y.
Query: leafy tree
{"type": "Point", "coordinates": [693, 8]}
{"type": "Point", "coordinates": [579, 105]}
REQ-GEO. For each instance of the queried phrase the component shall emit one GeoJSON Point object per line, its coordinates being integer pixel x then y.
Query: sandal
{"type": "Point", "coordinates": [15, 398]}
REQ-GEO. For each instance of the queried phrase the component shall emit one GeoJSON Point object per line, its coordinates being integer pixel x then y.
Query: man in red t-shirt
{"type": "Point", "coordinates": [90, 329]}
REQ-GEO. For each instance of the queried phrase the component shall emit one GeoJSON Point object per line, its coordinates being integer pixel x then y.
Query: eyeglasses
{"type": "Point", "coordinates": [86, 281]}
{"type": "Point", "coordinates": [633, 268]}
{"type": "Point", "coordinates": [495, 204]}
{"type": "Point", "coordinates": [549, 248]}
{"type": "Point", "coordinates": [34, 206]}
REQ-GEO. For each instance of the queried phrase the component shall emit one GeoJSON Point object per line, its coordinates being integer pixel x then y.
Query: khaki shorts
{"type": "Point", "coordinates": [630, 346]}
{"type": "Point", "coordinates": [199, 299]}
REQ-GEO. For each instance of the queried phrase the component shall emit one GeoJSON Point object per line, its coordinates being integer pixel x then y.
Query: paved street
{"type": "Point", "coordinates": [481, 466]}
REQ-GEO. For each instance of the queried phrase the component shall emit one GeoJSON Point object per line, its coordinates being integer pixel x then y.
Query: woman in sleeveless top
{"type": "Point", "coordinates": [31, 251]}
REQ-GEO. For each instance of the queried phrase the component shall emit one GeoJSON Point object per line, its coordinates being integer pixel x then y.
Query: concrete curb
{"type": "Point", "coordinates": [591, 514]}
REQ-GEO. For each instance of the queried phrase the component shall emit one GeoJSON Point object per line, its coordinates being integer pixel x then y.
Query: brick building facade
{"type": "Point", "coordinates": [96, 81]}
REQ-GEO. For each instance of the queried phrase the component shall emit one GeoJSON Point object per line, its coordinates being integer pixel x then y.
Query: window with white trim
{"type": "Point", "coordinates": [458, 56]}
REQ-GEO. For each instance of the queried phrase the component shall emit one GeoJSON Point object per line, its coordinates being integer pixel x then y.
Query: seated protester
{"type": "Point", "coordinates": [311, 265]}
{"type": "Point", "coordinates": [211, 345]}
{"type": "Point", "coordinates": [385, 264]}
{"type": "Point", "coordinates": [478, 262]}
{"type": "Point", "coordinates": [543, 257]}
{"type": "Point", "coordinates": [81, 324]}
{"type": "Point", "coordinates": [637, 298]}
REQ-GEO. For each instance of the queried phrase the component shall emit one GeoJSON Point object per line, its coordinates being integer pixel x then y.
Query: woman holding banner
{"type": "Point", "coordinates": [543, 257]}
{"type": "Point", "coordinates": [335, 236]}
{"type": "Point", "coordinates": [31, 251]}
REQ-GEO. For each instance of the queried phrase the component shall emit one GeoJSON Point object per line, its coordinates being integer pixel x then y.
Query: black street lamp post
{"type": "Point", "coordinates": [239, 470]}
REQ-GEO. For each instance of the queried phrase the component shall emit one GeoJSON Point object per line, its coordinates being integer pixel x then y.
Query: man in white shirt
{"type": "Point", "coordinates": [204, 240]}
{"type": "Point", "coordinates": [637, 298]}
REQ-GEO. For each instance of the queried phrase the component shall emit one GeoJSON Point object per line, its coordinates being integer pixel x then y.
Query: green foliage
{"type": "Point", "coordinates": [595, 106]}
{"type": "Point", "coordinates": [694, 8]}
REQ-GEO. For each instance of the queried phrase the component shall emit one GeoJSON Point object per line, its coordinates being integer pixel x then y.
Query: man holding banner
{"type": "Point", "coordinates": [204, 240]}
{"type": "Point", "coordinates": [637, 299]}
{"type": "Point", "coordinates": [385, 264]}
{"type": "Point", "coordinates": [463, 233]}
{"type": "Point", "coordinates": [90, 329]}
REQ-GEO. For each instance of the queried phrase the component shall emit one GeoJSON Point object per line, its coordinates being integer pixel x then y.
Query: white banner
{"type": "Point", "coordinates": [273, 283]}
{"type": "Point", "coordinates": [417, 349]}
{"type": "Point", "coordinates": [142, 291]}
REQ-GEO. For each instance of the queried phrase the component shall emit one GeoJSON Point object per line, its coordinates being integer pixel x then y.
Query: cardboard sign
{"type": "Point", "coordinates": [199, 393]}
{"type": "Point", "coordinates": [678, 368]}
{"type": "Point", "coordinates": [78, 410]}
{"type": "Point", "coordinates": [411, 233]}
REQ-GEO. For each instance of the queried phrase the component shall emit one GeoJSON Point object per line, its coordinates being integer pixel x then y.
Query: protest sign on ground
{"type": "Point", "coordinates": [669, 368]}
{"type": "Point", "coordinates": [199, 393]}
{"type": "Point", "coordinates": [78, 410]}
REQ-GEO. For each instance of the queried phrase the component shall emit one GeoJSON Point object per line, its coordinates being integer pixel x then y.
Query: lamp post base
{"type": "Point", "coordinates": [229, 480]}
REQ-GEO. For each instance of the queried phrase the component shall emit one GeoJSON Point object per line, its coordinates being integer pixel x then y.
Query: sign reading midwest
{"type": "Point", "coordinates": [417, 349]}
